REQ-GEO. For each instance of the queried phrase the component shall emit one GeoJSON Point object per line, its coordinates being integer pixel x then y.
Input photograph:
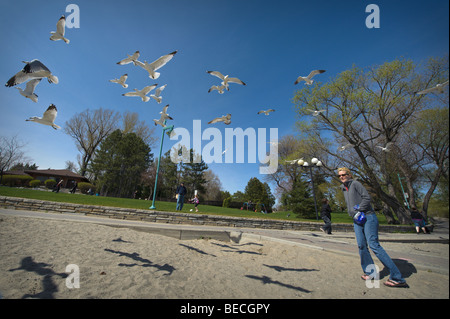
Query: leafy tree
{"type": "Point", "coordinates": [259, 193]}
{"type": "Point", "coordinates": [299, 200]}
{"type": "Point", "coordinates": [367, 108]}
{"type": "Point", "coordinates": [193, 175]}
{"type": "Point", "coordinates": [120, 162]}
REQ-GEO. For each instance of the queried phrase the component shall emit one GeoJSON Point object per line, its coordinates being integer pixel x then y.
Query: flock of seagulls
{"type": "Point", "coordinates": [34, 71]}
{"type": "Point", "coordinates": [32, 74]}
{"type": "Point", "coordinates": [151, 68]}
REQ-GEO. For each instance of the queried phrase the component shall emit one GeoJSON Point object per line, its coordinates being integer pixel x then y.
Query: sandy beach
{"type": "Point", "coordinates": [125, 263]}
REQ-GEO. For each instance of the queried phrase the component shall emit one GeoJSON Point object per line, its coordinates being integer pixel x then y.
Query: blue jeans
{"type": "Point", "coordinates": [367, 236]}
{"type": "Point", "coordinates": [180, 202]}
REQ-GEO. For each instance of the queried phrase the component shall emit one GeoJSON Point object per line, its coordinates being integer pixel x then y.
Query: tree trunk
{"type": "Point", "coordinates": [387, 212]}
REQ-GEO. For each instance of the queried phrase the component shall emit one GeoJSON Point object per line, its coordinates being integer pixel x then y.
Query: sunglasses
{"type": "Point", "coordinates": [342, 175]}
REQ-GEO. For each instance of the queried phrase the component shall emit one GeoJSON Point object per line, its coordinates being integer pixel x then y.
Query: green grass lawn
{"type": "Point", "coordinates": [160, 205]}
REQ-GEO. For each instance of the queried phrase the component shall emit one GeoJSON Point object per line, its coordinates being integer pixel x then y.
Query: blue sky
{"type": "Point", "coordinates": [267, 44]}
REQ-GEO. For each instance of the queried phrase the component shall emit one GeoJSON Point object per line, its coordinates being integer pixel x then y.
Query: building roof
{"type": "Point", "coordinates": [56, 172]}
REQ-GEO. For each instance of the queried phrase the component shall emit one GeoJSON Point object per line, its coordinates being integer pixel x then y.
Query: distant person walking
{"type": "Point", "coordinates": [366, 229]}
{"type": "Point", "coordinates": [181, 192]}
{"type": "Point", "coordinates": [74, 188]}
{"type": "Point", "coordinates": [325, 214]}
{"type": "Point", "coordinates": [57, 186]}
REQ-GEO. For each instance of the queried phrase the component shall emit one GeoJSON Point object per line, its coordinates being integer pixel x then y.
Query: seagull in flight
{"type": "Point", "coordinates": [315, 112]}
{"type": "Point", "coordinates": [164, 116]}
{"type": "Point", "coordinates": [157, 96]}
{"type": "Point", "coordinates": [386, 148]}
{"type": "Point", "coordinates": [29, 90]}
{"type": "Point", "coordinates": [142, 93]}
{"type": "Point", "coordinates": [219, 88]}
{"type": "Point", "coordinates": [48, 118]}
{"type": "Point", "coordinates": [266, 112]}
{"type": "Point", "coordinates": [308, 79]}
{"type": "Point", "coordinates": [347, 146]}
{"type": "Point", "coordinates": [60, 30]}
{"type": "Point", "coordinates": [131, 58]}
{"type": "Point", "coordinates": [225, 79]}
{"type": "Point", "coordinates": [439, 88]}
{"type": "Point", "coordinates": [34, 69]}
{"type": "Point", "coordinates": [121, 80]}
{"type": "Point", "coordinates": [155, 65]}
{"type": "Point", "coordinates": [224, 118]}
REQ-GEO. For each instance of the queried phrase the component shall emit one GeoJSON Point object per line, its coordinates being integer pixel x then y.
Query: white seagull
{"type": "Point", "coordinates": [386, 148]}
{"type": "Point", "coordinates": [142, 93]}
{"type": "Point", "coordinates": [266, 112]}
{"type": "Point", "coordinates": [157, 96]}
{"type": "Point", "coordinates": [439, 88]}
{"type": "Point", "coordinates": [315, 112]}
{"type": "Point", "coordinates": [347, 146]}
{"type": "Point", "coordinates": [60, 31]}
{"type": "Point", "coordinates": [131, 58]}
{"type": "Point", "coordinates": [121, 80]}
{"type": "Point", "coordinates": [29, 90]}
{"type": "Point", "coordinates": [155, 65]}
{"type": "Point", "coordinates": [48, 118]}
{"type": "Point", "coordinates": [224, 118]}
{"type": "Point", "coordinates": [34, 69]}
{"type": "Point", "coordinates": [225, 79]}
{"type": "Point", "coordinates": [164, 116]}
{"type": "Point", "coordinates": [308, 79]}
{"type": "Point", "coordinates": [219, 88]}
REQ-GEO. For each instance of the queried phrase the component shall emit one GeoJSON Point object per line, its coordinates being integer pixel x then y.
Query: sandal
{"type": "Point", "coordinates": [396, 284]}
{"type": "Point", "coordinates": [366, 277]}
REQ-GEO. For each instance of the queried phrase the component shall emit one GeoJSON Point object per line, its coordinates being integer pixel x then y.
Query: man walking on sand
{"type": "Point", "coordinates": [366, 231]}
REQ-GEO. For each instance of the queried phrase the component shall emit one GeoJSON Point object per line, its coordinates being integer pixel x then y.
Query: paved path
{"type": "Point", "coordinates": [428, 252]}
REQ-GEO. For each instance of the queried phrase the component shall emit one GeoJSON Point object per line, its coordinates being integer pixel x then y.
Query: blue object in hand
{"type": "Point", "coordinates": [360, 217]}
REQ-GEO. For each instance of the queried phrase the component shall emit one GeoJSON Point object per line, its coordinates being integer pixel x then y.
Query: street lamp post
{"type": "Point", "coordinates": [168, 129]}
{"type": "Point", "coordinates": [316, 163]}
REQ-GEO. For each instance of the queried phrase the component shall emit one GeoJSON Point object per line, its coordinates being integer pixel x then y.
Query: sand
{"type": "Point", "coordinates": [125, 263]}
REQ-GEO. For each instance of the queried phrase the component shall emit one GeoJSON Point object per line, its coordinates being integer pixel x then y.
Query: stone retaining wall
{"type": "Point", "coordinates": [173, 218]}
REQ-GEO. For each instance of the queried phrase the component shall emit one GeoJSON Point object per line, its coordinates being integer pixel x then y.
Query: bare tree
{"type": "Point", "coordinates": [131, 124]}
{"type": "Point", "coordinates": [10, 153]}
{"type": "Point", "coordinates": [89, 128]}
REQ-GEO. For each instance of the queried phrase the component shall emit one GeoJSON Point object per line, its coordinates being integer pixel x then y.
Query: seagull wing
{"type": "Point", "coordinates": [216, 120]}
{"type": "Point", "coordinates": [159, 63]}
{"type": "Point", "coordinates": [159, 90]}
{"type": "Point", "coordinates": [131, 94]}
{"type": "Point", "coordinates": [147, 89]}
{"type": "Point", "coordinates": [50, 114]}
{"type": "Point", "coordinates": [314, 73]}
{"type": "Point", "coordinates": [31, 85]}
{"type": "Point", "coordinates": [164, 110]}
{"type": "Point", "coordinates": [123, 78]}
{"type": "Point", "coordinates": [18, 78]}
{"type": "Point", "coordinates": [35, 66]}
{"type": "Point", "coordinates": [236, 80]}
{"type": "Point", "coordinates": [130, 59]}
{"type": "Point", "coordinates": [61, 25]}
{"type": "Point", "coordinates": [216, 73]}
{"type": "Point", "coordinates": [427, 90]}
